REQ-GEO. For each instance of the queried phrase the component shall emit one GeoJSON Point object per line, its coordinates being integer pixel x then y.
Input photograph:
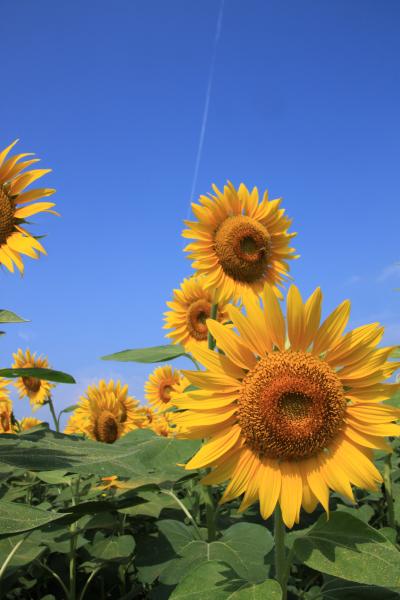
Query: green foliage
{"type": "Point", "coordinates": [346, 547]}
{"type": "Point", "coordinates": [16, 517]}
{"type": "Point", "coordinates": [38, 373]}
{"type": "Point", "coordinates": [7, 316]}
{"type": "Point", "coordinates": [153, 354]}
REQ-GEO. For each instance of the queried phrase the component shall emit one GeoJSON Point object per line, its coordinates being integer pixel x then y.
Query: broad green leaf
{"type": "Point", "coordinates": [28, 551]}
{"type": "Point", "coordinates": [153, 354]}
{"type": "Point", "coordinates": [6, 316]}
{"type": "Point", "coordinates": [16, 517]}
{"type": "Point", "coordinates": [118, 548]}
{"type": "Point", "coordinates": [339, 589]}
{"type": "Point", "coordinates": [38, 373]}
{"type": "Point", "coordinates": [364, 512]}
{"type": "Point", "coordinates": [217, 581]}
{"type": "Point", "coordinates": [346, 547]}
{"type": "Point", "coordinates": [243, 547]}
{"type": "Point", "coordinates": [140, 455]}
{"type": "Point", "coordinates": [153, 502]}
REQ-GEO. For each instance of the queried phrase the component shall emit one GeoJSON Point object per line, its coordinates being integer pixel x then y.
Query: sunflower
{"type": "Point", "coordinates": [190, 308]}
{"type": "Point", "coordinates": [162, 425]}
{"type": "Point", "coordinates": [161, 383]}
{"type": "Point", "coordinates": [14, 239]}
{"type": "Point", "coordinates": [6, 418]}
{"type": "Point", "coordinates": [37, 390]}
{"type": "Point", "coordinates": [286, 422]}
{"type": "Point", "coordinates": [28, 423]}
{"type": "Point", "coordinates": [106, 413]}
{"type": "Point", "coordinates": [240, 243]}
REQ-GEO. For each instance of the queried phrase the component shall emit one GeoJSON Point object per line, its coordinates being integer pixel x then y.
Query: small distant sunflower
{"type": "Point", "coordinates": [161, 383]}
{"type": "Point", "coordinates": [240, 243]}
{"type": "Point", "coordinates": [106, 413]}
{"type": "Point", "coordinates": [286, 422]}
{"type": "Point", "coordinates": [37, 390]}
{"type": "Point", "coordinates": [162, 425]}
{"type": "Point", "coordinates": [190, 309]}
{"type": "Point", "coordinates": [28, 423]}
{"type": "Point", "coordinates": [6, 407]}
{"type": "Point", "coordinates": [14, 239]}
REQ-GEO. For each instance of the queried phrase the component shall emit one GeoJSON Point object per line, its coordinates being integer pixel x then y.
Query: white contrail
{"type": "Point", "coordinates": [206, 104]}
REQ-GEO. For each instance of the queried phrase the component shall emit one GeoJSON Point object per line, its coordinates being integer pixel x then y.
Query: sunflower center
{"type": "Point", "coordinates": [196, 317]}
{"type": "Point", "coordinates": [291, 406]}
{"type": "Point", "coordinates": [7, 220]}
{"type": "Point", "coordinates": [165, 392]}
{"type": "Point", "coordinates": [32, 384]}
{"type": "Point", "coordinates": [243, 246]}
{"type": "Point", "coordinates": [106, 429]}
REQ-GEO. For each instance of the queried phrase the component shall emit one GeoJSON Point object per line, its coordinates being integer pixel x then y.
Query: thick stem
{"type": "Point", "coordinates": [281, 567]}
{"type": "Point", "coordinates": [387, 478]}
{"type": "Point", "coordinates": [53, 413]}
{"type": "Point", "coordinates": [213, 315]}
{"type": "Point", "coordinates": [210, 514]}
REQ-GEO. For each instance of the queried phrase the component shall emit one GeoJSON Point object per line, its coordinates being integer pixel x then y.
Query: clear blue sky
{"type": "Point", "coordinates": [305, 102]}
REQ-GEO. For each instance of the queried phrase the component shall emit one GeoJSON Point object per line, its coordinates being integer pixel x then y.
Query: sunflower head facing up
{"type": "Point", "coordinates": [162, 382]}
{"type": "Point", "coordinates": [16, 205]}
{"type": "Point", "coordinates": [287, 421]}
{"type": "Point", "coordinates": [37, 390]}
{"type": "Point", "coordinates": [105, 413]}
{"type": "Point", "coordinates": [190, 309]}
{"type": "Point", "coordinates": [240, 243]}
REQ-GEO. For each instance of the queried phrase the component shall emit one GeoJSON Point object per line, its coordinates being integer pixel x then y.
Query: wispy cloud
{"type": "Point", "coordinates": [353, 280]}
{"type": "Point", "coordinates": [389, 272]}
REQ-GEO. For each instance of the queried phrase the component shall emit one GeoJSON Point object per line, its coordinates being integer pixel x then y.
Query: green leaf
{"type": "Point", "coordinates": [140, 455]}
{"type": "Point", "coordinates": [396, 353]}
{"type": "Point", "coordinates": [6, 316]}
{"type": "Point", "coordinates": [45, 374]}
{"type": "Point", "coordinates": [339, 589]}
{"type": "Point", "coordinates": [153, 354]}
{"type": "Point", "coordinates": [243, 547]}
{"type": "Point", "coordinates": [16, 517]}
{"type": "Point", "coordinates": [117, 548]}
{"type": "Point", "coordinates": [69, 409]}
{"type": "Point", "coordinates": [215, 580]}
{"type": "Point", "coordinates": [153, 503]}
{"type": "Point", "coordinates": [28, 551]}
{"type": "Point", "coordinates": [346, 547]}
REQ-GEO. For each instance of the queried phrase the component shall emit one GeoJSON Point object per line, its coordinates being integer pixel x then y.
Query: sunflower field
{"type": "Point", "coordinates": [268, 469]}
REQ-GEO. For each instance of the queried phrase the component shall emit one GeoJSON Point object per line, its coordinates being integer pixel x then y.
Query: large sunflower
{"type": "Point", "coordinates": [190, 309]}
{"type": "Point", "coordinates": [161, 383]}
{"type": "Point", "coordinates": [105, 413]}
{"type": "Point", "coordinates": [240, 243]}
{"type": "Point", "coordinates": [37, 390]}
{"type": "Point", "coordinates": [14, 239]}
{"type": "Point", "coordinates": [287, 421]}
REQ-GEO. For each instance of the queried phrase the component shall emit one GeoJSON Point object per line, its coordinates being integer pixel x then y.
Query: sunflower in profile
{"type": "Point", "coordinates": [240, 243]}
{"type": "Point", "coordinates": [28, 423]}
{"type": "Point", "coordinates": [16, 205]}
{"type": "Point", "coordinates": [190, 309]}
{"type": "Point", "coordinates": [6, 407]}
{"type": "Point", "coordinates": [286, 422]}
{"type": "Point", "coordinates": [161, 383]}
{"type": "Point", "coordinates": [105, 413]}
{"type": "Point", "coordinates": [37, 390]}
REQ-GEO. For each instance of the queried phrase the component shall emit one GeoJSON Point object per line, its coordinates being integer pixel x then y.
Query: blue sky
{"type": "Point", "coordinates": [304, 102]}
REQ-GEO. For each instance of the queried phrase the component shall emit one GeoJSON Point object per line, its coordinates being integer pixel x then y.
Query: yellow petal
{"type": "Point", "coordinates": [274, 318]}
{"type": "Point", "coordinates": [291, 493]}
{"type": "Point", "coordinates": [332, 328]}
{"type": "Point", "coordinates": [22, 181]}
{"type": "Point", "coordinates": [312, 316]}
{"type": "Point", "coordinates": [218, 446]}
{"type": "Point", "coordinates": [295, 318]}
{"type": "Point", "coordinates": [269, 486]}
{"type": "Point", "coordinates": [214, 361]}
{"type": "Point", "coordinates": [254, 338]}
{"type": "Point", "coordinates": [3, 153]}
{"type": "Point", "coordinates": [230, 343]}
{"type": "Point", "coordinates": [32, 209]}
{"type": "Point", "coordinates": [35, 195]}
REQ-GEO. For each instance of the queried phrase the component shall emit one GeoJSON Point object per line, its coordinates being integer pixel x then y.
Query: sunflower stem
{"type": "Point", "coordinates": [53, 413]}
{"type": "Point", "coordinates": [387, 478]}
{"type": "Point", "coordinates": [73, 543]}
{"type": "Point", "coordinates": [213, 315]}
{"type": "Point", "coordinates": [210, 514]}
{"type": "Point", "coordinates": [281, 567]}
{"type": "Point", "coordinates": [194, 361]}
